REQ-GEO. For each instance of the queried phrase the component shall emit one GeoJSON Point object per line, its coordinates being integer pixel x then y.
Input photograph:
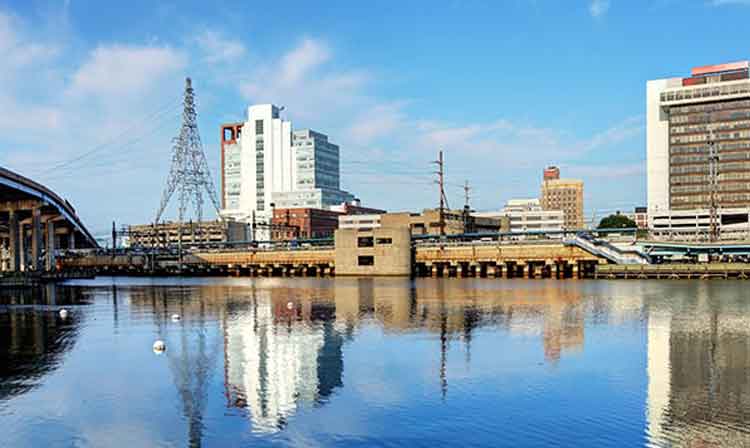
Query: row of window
{"type": "Point", "coordinates": [706, 92]}
{"type": "Point", "coordinates": [704, 199]}
{"type": "Point", "coordinates": [369, 241]}
{"type": "Point", "coordinates": [692, 138]}
{"type": "Point", "coordinates": [678, 130]}
{"type": "Point", "coordinates": [681, 189]}
{"type": "Point", "coordinates": [705, 117]}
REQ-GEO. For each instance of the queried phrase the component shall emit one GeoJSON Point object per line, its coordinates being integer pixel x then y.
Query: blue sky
{"type": "Point", "coordinates": [90, 95]}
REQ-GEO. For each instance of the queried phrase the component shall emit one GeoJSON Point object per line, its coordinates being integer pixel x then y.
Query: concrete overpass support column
{"type": "Point", "coordinates": [549, 267]}
{"type": "Point", "coordinates": [574, 268]}
{"type": "Point", "coordinates": [36, 239]}
{"type": "Point", "coordinates": [13, 237]}
{"type": "Point", "coordinates": [499, 270]}
{"type": "Point", "coordinates": [527, 273]}
{"type": "Point", "coordinates": [72, 239]}
{"type": "Point", "coordinates": [21, 247]}
{"type": "Point", "coordinates": [50, 246]}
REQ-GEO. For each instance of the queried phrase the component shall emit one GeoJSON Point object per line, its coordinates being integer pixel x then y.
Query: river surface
{"type": "Point", "coordinates": [376, 362]}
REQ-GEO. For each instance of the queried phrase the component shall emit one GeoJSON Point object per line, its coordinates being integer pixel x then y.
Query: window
{"type": "Point", "coordinates": [258, 127]}
{"type": "Point", "coordinates": [384, 241]}
{"type": "Point", "coordinates": [365, 260]}
{"type": "Point", "coordinates": [364, 241]}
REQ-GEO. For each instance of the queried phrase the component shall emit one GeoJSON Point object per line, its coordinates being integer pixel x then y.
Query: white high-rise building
{"type": "Point", "coordinates": [696, 125]}
{"type": "Point", "coordinates": [527, 215]}
{"type": "Point", "coordinates": [265, 165]}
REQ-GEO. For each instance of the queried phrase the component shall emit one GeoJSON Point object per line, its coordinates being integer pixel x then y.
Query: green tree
{"type": "Point", "coordinates": [616, 221]}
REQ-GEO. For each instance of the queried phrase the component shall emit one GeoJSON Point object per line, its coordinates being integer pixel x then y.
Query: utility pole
{"type": "Point", "coordinates": [713, 174]}
{"type": "Point", "coordinates": [114, 240]}
{"type": "Point", "coordinates": [467, 208]}
{"type": "Point", "coordinates": [441, 183]}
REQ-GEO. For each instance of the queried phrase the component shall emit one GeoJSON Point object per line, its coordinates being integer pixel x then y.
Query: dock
{"type": "Point", "coordinates": [739, 271]}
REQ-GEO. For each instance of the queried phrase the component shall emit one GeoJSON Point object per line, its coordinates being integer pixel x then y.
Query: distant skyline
{"type": "Point", "coordinates": [90, 94]}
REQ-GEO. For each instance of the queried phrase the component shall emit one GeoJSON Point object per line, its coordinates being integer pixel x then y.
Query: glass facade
{"type": "Point", "coordinates": [317, 161]}
{"type": "Point", "coordinates": [232, 175]}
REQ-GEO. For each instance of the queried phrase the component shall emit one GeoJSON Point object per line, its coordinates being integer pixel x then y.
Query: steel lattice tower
{"type": "Point", "coordinates": [189, 174]}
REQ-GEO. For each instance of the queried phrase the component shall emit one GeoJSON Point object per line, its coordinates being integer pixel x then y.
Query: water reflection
{"type": "Point", "coordinates": [280, 351]}
{"type": "Point", "coordinates": [33, 338]}
{"type": "Point", "coordinates": [699, 369]}
{"type": "Point", "coordinates": [574, 363]}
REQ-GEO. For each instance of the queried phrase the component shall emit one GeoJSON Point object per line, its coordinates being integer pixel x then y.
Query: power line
{"type": "Point", "coordinates": [100, 147]}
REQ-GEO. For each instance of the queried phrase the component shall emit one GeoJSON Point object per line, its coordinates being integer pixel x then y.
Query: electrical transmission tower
{"type": "Point", "coordinates": [189, 175]}
{"type": "Point", "coordinates": [441, 182]}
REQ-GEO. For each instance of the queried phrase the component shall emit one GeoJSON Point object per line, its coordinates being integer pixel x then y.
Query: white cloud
{"type": "Point", "coordinates": [21, 61]}
{"type": "Point", "coordinates": [298, 63]}
{"type": "Point", "coordinates": [74, 106]}
{"type": "Point", "coordinates": [219, 49]}
{"type": "Point", "coordinates": [302, 80]}
{"type": "Point", "coordinates": [128, 70]}
{"type": "Point", "coordinates": [729, 2]}
{"type": "Point", "coordinates": [628, 128]}
{"type": "Point", "coordinates": [598, 8]}
{"type": "Point", "coordinates": [377, 121]}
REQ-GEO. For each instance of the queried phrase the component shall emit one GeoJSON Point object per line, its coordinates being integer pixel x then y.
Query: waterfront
{"type": "Point", "coordinates": [376, 362]}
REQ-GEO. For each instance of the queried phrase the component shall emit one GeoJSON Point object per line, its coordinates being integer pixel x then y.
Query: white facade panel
{"type": "Point", "coordinates": [269, 168]}
{"type": "Point", "coordinates": [657, 147]}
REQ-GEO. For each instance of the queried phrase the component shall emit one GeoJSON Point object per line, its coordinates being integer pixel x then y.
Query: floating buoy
{"type": "Point", "coordinates": [175, 317]}
{"type": "Point", "coordinates": [63, 313]}
{"type": "Point", "coordinates": [289, 305]}
{"type": "Point", "coordinates": [159, 346]}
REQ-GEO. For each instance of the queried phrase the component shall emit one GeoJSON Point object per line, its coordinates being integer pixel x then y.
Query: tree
{"type": "Point", "coordinates": [616, 221]}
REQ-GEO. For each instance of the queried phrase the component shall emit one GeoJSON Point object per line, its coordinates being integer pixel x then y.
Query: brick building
{"type": "Point", "coordinates": [303, 223]}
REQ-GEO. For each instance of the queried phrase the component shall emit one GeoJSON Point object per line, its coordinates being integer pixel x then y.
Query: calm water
{"type": "Point", "coordinates": [376, 362]}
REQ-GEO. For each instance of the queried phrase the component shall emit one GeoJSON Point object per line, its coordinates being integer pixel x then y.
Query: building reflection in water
{"type": "Point", "coordinates": [33, 338]}
{"type": "Point", "coordinates": [283, 341]}
{"type": "Point", "coordinates": [284, 346]}
{"type": "Point", "coordinates": [699, 368]}
{"type": "Point", "coordinates": [281, 351]}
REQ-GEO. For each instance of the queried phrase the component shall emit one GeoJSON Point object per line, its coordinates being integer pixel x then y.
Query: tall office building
{"type": "Point", "coordinates": [265, 165]}
{"type": "Point", "coordinates": [563, 194]}
{"type": "Point", "coordinates": [691, 121]}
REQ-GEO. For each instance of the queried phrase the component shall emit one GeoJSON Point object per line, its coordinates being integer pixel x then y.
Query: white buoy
{"type": "Point", "coordinates": [63, 313]}
{"type": "Point", "coordinates": [159, 346]}
{"type": "Point", "coordinates": [175, 317]}
{"type": "Point", "coordinates": [289, 305]}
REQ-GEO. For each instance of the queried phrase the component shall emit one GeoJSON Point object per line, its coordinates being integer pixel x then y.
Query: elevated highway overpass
{"type": "Point", "coordinates": [35, 222]}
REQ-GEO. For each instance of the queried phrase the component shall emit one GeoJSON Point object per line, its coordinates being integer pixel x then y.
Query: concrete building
{"type": "Point", "coordinates": [640, 216]}
{"type": "Point", "coordinates": [384, 250]}
{"type": "Point", "coordinates": [266, 164]}
{"type": "Point", "coordinates": [293, 223]}
{"type": "Point", "coordinates": [563, 194]}
{"type": "Point", "coordinates": [527, 215]}
{"type": "Point", "coordinates": [364, 221]}
{"type": "Point", "coordinates": [355, 208]}
{"type": "Point", "coordinates": [695, 224]}
{"type": "Point", "coordinates": [168, 233]}
{"type": "Point", "coordinates": [686, 118]}
{"type": "Point", "coordinates": [428, 222]}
